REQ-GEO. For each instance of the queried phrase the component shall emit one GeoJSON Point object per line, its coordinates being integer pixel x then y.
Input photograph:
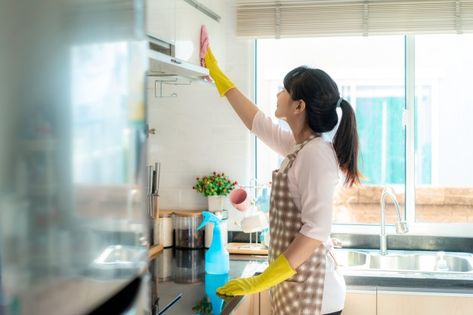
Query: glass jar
{"type": "Point", "coordinates": [185, 229]}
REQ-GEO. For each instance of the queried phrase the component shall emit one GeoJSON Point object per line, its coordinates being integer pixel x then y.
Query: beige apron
{"type": "Point", "coordinates": [302, 293]}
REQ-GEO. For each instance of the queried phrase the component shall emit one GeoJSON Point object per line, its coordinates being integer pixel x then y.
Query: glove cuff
{"type": "Point", "coordinates": [278, 271]}
{"type": "Point", "coordinates": [222, 82]}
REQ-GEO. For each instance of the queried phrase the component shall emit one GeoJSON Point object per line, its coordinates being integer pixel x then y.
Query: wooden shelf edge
{"type": "Point", "coordinates": [246, 249]}
{"type": "Point", "coordinates": [155, 250]}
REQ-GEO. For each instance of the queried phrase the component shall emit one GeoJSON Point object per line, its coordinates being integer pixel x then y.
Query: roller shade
{"type": "Point", "coordinates": [304, 18]}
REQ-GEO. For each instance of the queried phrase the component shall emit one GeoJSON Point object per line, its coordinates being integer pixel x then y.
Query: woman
{"type": "Point", "coordinates": [301, 274]}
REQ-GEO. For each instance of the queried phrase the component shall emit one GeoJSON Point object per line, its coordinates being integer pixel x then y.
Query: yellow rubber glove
{"type": "Point", "coordinates": [278, 271]}
{"type": "Point", "coordinates": [222, 82]}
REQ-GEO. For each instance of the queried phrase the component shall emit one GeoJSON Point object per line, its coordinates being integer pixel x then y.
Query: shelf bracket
{"type": "Point", "coordinates": [165, 80]}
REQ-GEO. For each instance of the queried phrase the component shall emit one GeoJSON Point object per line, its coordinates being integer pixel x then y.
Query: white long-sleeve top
{"type": "Point", "coordinates": [312, 180]}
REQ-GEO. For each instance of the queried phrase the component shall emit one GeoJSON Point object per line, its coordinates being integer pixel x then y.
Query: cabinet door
{"type": "Point", "coordinates": [357, 302]}
{"type": "Point", "coordinates": [360, 302]}
{"type": "Point", "coordinates": [248, 306]}
{"type": "Point", "coordinates": [188, 23]}
{"type": "Point", "coordinates": [161, 19]}
{"type": "Point", "coordinates": [417, 303]}
{"type": "Point", "coordinates": [264, 303]}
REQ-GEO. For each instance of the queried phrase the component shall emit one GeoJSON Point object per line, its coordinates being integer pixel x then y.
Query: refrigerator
{"type": "Point", "coordinates": [73, 219]}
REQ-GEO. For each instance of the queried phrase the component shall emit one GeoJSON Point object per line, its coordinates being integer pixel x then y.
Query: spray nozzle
{"type": "Point", "coordinates": [208, 217]}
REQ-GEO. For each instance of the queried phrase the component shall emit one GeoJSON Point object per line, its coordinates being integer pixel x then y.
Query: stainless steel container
{"type": "Point", "coordinates": [185, 229]}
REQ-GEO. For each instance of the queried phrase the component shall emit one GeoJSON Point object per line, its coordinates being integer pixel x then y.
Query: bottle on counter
{"type": "Point", "coordinates": [223, 216]}
{"type": "Point", "coordinates": [217, 258]}
{"type": "Point", "coordinates": [211, 284]}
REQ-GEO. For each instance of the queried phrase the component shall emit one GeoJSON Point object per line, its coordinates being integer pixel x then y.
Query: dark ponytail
{"type": "Point", "coordinates": [345, 143]}
{"type": "Point", "coordinates": [320, 93]}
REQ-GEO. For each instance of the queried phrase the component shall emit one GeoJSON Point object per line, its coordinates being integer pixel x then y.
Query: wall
{"type": "Point", "coordinates": [198, 131]}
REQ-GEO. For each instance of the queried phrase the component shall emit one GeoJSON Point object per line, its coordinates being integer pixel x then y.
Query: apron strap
{"type": "Point", "coordinates": [292, 156]}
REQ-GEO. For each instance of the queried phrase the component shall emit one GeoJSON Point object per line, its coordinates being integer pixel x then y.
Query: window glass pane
{"type": "Point", "coordinates": [443, 126]}
{"type": "Point", "coordinates": [369, 72]}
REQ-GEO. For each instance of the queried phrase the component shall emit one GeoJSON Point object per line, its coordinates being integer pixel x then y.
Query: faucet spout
{"type": "Point", "coordinates": [401, 225]}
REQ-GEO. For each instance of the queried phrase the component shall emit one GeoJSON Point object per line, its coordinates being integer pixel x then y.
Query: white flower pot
{"type": "Point", "coordinates": [215, 203]}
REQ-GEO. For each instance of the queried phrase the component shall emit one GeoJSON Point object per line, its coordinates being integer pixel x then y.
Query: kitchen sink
{"type": "Point", "coordinates": [453, 263]}
{"type": "Point", "coordinates": [405, 261]}
{"type": "Point", "coordinates": [425, 262]}
{"type": "Point", "coordinates": [392, 262]}
{"type": "Point", "coordinates": [349, 258]}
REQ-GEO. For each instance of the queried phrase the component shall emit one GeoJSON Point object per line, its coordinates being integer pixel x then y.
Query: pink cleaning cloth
{"type": "Point", "coordinates": [204, 45]}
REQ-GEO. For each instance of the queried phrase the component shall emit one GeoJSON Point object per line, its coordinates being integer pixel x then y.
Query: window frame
{"type": "Point", "coordinates": [415, 228]}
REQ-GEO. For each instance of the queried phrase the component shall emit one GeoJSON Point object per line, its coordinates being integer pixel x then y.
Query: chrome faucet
{"type": "Point", "coordinates": [401, 225]}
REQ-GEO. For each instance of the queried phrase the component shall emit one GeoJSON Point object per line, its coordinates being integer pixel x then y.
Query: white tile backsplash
{"type": "Point", "coordinates": [197, 133]}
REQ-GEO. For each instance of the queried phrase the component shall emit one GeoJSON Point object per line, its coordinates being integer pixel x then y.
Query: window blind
{"type": "Point", "coordinates": [305, 18]}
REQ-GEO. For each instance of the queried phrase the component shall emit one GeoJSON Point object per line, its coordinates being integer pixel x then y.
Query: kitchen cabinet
{"type": "Point", "coordinates": [178, 22]}
{"type": "Point", "coordinates": [371, 301]}
{"type": "Point", "coordinates": [360, 302]}
{"type": "Point", "coordinates": [255, 304]}
{"type": "Point", "coordinates": [160, 19]}
{"type": "Point", "coordinates": [265, 303]}
{"type": "Point", "coordinates": [249, 305]}
{"type": "Point", "coordinates": [357, 302]}
{"type": "Point", "coordinates": [188, 23]}
{"type": "Point", "coordinates": [423, 303]}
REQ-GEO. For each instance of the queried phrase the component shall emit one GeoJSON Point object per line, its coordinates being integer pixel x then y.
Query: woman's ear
{"type": "Point", "coordinates": [300, 106]}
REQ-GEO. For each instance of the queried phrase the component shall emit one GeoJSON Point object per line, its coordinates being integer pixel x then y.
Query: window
{"type": "Point", "coordinates": [443, 129]}
{"type": "Point", "coordinates": [371, 73]}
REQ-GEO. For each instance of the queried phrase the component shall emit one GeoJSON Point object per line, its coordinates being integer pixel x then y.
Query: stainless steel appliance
{"type": "Point", "coordinates": [73, 220]}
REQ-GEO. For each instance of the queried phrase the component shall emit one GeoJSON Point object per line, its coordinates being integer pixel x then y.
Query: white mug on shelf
{"type": "Point", "coordinates": [254, 223]}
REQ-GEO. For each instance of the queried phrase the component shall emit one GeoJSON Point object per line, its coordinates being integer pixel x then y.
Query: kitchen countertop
{"type": "Point", "coordinates": [180, 271]}
{"type": "Point", "coordinates": [183, 272]}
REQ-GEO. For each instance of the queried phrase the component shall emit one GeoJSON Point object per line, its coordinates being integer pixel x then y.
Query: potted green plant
{"type": "Point", "coordinates": [203, 307]}
{"type": "Point", "coordinates": [215, 187]}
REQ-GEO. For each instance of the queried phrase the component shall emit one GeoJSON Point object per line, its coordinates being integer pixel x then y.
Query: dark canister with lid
{"type": "Point", "coordinates": [185, 229]}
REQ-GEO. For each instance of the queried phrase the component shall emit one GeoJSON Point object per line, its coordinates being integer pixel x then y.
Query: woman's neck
{"type": "Point", "coordinates": [300, 131]}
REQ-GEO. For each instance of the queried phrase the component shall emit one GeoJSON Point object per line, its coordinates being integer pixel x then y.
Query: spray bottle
{"type": "Point", "coordinates": [217, 259]}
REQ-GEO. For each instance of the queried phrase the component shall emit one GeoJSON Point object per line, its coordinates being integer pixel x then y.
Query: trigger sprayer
{"type": "Point", "coordinates": [217, 259]}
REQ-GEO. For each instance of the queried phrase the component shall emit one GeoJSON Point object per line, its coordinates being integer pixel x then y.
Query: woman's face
{"type": "Point", "coordinates": [285, 105]}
